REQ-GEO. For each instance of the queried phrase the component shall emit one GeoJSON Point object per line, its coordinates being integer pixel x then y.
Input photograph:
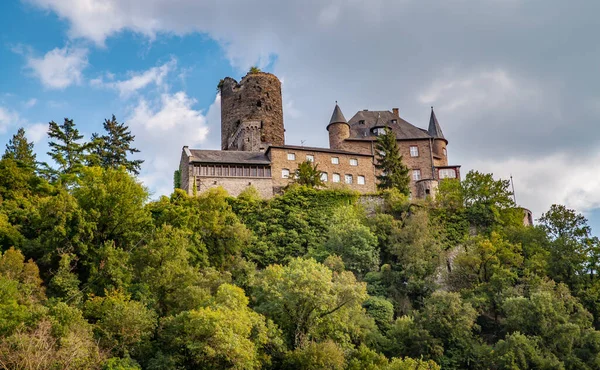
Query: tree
{"type": "Point", "coordinates": [489, 202]}
{"type": "Point", "coordinates": [317, 356]}
{"type": "Point", "coordinates": [20, 150]}
{"type": "Point", "coordinates": [113, 147]}
{"type": "Point", "coordinates": [121, 324]}
{"type": "Point", "coordinates": [351, 240]}
{"type": "Point", "coordinates": [308, 174]}
{"type": "Point", "coordinates": [66, 150]}
{"type": "Point", "coordinates": [311, 303]}
{"type": "Point", "coordinates": [225, 334]}
{"type": "Point", "coordinates": [570, 245]}
{"type": "Point", "coordinates": [394, 173]}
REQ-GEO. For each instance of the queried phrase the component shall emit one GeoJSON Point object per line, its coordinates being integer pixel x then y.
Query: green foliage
{"type": "Point", "coordinates": [223, 334]}
{"type": "Point", "coordinates": [20, 150]}
{"type": "Point", "coordinates": [217, 282]}
{"type": "Point", "coordinates": [218, 235]}
{"type": "Point", "coordinates": [394, 173]}
{"type": "Point", "coordinates": [113, 202]}
{"type": "Point", "coordinates": [66, 149]}
{"type": "Point", "coordinates": [309, 302]}
{"type": "Point", "coordinates": [348, 238]}
{"type": "Point", "coordinates": [254, 70]}
{"type": "Point", "coordinates": [382, 311]}
{"type": "Point", "coordinates": [111, 150]}
{"type": "Point", "coordinates": [316, 356]}
{"type": "Point", "coordinates": [177, 179]}
{"type": "Point", "coordinates": [290, 225]}
{"type": "Point", "coordinates": [120, 324]}
{"type": "Point", "coordinates": [308, 174]}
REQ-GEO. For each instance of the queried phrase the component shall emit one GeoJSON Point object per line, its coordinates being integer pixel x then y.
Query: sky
{"type": "Point", "coordinates": [513, 82]}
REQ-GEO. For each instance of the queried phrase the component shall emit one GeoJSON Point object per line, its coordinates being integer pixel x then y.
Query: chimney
{"type": "Point", "coordinates": [396, 112]}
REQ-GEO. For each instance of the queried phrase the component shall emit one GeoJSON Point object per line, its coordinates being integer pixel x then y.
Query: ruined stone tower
{"type": "Point", "coordinates": [251, 112]}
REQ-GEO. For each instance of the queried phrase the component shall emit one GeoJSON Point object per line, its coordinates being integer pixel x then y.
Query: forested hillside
{"type": "Point", "coordinates": [95, 275]}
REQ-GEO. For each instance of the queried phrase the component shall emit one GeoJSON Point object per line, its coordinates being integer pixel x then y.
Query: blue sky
{"type": "Point", "coordinates": [514, 82]}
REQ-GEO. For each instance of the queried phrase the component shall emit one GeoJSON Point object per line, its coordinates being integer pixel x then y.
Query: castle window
{"type": "Point", "coordinates": [336, 177]}
{"type": "Point", "coordinates": [335, 160]}
{"type": "Point", "coordinates": [414, 151]}
{"type": "Point", "coordinates": [291, 156]}
{"type": "Point", "coordinates": [259, 104]}
{"type": "Point", "coordinates": [444, 151]}
{"type": "Point", "coordinates": [361, 122]}
{"type": "Point", "coordinates": [310, 157]}
{"type": "Point", "coordinates": [447, 173]}
{"type": "Point", "coordinates": [360, 180]}
{"type": "Point", "coordinates": [353, 162]}
{"type": "Point", "coordinates": [416, 175]}
{"type": "Point", "coordinates": [324, 176]}
{"type": "Point", "coordinates": [285, 173]}
{"type": "Point", "coordinates": [348, 179]}
{"type": "Point", "coordinates": [394, 121]}
{"type": "Point", "coordinates": [253, 172]}
{"type": "Point", "coordinates": [378, 131]}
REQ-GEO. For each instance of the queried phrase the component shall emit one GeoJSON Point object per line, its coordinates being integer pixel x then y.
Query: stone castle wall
{"type": "Point", "coordinates": [257, 97]}
{"type": "Point", "coordinates": [235, 185]}
{"type": "Point", "coordinates": [280, 161]}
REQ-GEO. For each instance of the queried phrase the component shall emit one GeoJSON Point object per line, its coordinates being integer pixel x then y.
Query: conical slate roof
{"type": "Point", "coordinates": [337, 116]}
{"type": "Point", "coordinates": [435, 130]}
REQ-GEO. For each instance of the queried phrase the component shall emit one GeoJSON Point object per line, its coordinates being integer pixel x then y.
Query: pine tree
{"type": "Point", "coordinates": [394, 173]}
{"type": "Point", "coordinates": [20, 150]}
{"type": "Point", "coordinates": [65, 148]}
{"type": "Point", "coordinates": [113, 147]}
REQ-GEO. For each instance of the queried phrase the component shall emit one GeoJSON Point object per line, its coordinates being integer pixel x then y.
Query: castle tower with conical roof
{"type": "Point", "coordinates": [439, 141]}
{"type": "Point", "coordinates": [338, 128]}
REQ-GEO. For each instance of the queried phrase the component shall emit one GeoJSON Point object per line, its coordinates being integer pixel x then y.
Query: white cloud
{"type": "Point", "coordinates": [37, 132]}
{"type": "Point", "coordinates": [59, 68]}
{"type": "Point", "coordinates": [8, 118]}
{"type": "Point", "coordinates": [138, 80]}
{"type": "Point", "coordinates": [30, 103]}
{"type": "Point", "coordinates": [162, 128]}
{"type": "Point", "coordinates": [11, 120]}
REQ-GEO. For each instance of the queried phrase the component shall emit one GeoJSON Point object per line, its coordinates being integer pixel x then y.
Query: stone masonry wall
{"type": "Point", "coordinates": [186, 170]}
{"type": "Point", "coordinates": [235, 185]}
{"type": "Point", "coordinates": [256, 97]}
{"type": "Point", "coordinates": [422, 162]}
{"type": "Point", "coordinates": [364, 168]}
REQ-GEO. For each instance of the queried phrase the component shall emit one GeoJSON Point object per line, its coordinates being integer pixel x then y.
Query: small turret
{"type": "Point", "coordinates": [439, 141]}
{"type": "Point", "coordinates": [338, 128]}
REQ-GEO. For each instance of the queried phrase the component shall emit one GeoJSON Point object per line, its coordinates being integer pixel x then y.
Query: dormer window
{"type": "Point", "coordinates": [361, 122]}
{"type": "Point", "coordinates": [394, 121]}
{"type": "Point", "coordinates": [378, 131]}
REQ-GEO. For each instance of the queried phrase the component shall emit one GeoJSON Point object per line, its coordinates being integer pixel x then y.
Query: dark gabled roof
{"type": "Point", "coordinates": [314, 149]}
{"type": "Point", "coordinates": [337, 116]}
{"type": "Point", "coordinates": [435, 130]}
{"type": "Point", "coordinates": [372, 119]}
{"type": "Point", "coordinates": [228, 156]}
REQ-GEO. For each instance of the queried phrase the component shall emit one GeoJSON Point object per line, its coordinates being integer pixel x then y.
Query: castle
{"type": "Point", "coordinates": [253, 150]}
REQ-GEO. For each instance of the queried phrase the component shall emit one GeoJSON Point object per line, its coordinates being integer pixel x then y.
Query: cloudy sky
{"type": "Point", "coordinates": [514, 82]}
